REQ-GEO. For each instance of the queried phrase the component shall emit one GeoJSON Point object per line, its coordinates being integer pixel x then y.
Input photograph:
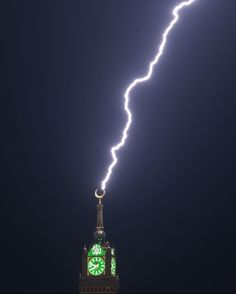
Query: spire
{"type": "Point", "coordinates": [100, 215]}
{"type": "Point", "coordinates": [99, 234]}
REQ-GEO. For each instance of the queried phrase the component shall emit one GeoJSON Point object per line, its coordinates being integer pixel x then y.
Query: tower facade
{"type": "Point", "coordinates": [99, 271]}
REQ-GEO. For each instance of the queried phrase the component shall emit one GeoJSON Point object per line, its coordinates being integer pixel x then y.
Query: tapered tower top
{"type": "Point", "coordinates": [99, 234]}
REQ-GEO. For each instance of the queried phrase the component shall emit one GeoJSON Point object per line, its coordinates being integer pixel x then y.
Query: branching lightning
{"type": "Point", "coordinates": [140, 80]}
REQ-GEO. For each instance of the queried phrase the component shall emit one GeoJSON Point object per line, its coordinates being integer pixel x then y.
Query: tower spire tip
{"type": "Point", "coordinates": [99, 193]}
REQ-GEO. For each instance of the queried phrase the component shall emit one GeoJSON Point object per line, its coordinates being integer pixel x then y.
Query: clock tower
{"type": "Point", "coordinates": [99, 274]}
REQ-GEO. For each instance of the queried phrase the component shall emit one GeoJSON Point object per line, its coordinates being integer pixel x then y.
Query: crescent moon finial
{"type": "Point", "coordinates": [99, 193]}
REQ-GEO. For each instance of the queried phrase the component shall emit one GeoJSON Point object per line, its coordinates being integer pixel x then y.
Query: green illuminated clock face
{"type": "Point", "coordinates": [96, 266]}
{"type": "Point", "coordinates": [113, 266]}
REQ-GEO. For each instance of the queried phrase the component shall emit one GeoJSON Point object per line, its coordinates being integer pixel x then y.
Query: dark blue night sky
{"type": "Point", "coordinates": [170, 204]}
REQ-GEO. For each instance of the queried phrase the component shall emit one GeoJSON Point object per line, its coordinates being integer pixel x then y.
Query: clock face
{"type": "Point", "coordinates": [113, 266]}
{"type": "Point", "coordinates": [96, 266]}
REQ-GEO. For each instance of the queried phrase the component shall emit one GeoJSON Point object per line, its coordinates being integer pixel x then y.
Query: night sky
{"type": "Point", "coordinates": [170, 206]}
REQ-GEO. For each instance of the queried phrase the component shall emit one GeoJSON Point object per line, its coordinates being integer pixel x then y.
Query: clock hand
{"type": "Point", "coordinates": [93, 268]}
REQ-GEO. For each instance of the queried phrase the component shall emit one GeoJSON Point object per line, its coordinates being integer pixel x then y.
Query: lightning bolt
{"type": "Point", "coordinates": [137, 81]}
